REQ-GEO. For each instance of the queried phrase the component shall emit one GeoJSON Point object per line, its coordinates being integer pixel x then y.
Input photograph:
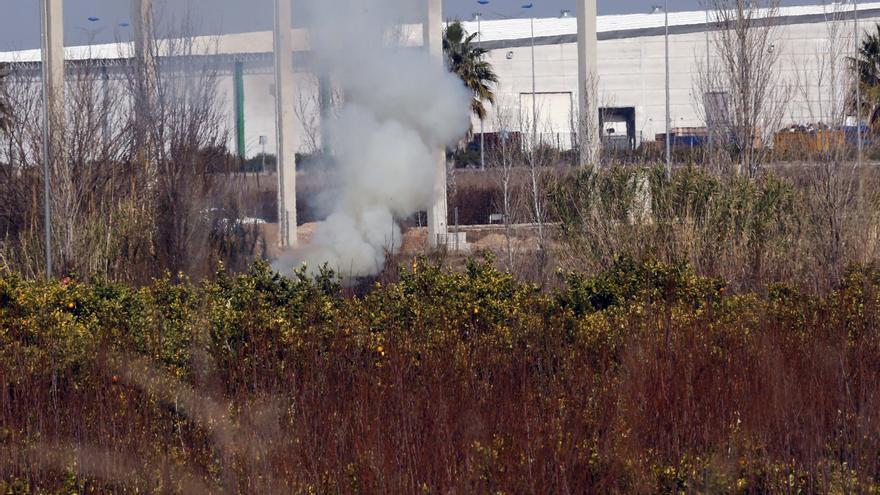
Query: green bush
{"type": "Point", "coordinates": [644, 378]}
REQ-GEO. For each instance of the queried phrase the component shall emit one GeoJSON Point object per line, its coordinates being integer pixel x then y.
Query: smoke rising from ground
{"type": "Point", "coordinates": [398, 104]}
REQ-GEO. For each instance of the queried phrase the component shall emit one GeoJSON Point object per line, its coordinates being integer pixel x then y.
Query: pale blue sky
{"type": "Point", "coordinates": [19, 19]}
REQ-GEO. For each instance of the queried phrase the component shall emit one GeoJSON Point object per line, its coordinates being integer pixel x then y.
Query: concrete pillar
{"type": "Point", "coordinates": [143, 51]}
{"type": "Point", "coordinates": [588, 82]}
{"type": "Point", "coordinates": [146, 84]}
{"type": "Point", "coordinates": [52, 15]}
{"type": "Point", "coordinates": [143, 31]}
{"type": "Point", "coordinates": [284, 124]}
{"type": "Point", "coordinates": [432, 38]}
{"type": "Point", "coordinates": [52, 37]}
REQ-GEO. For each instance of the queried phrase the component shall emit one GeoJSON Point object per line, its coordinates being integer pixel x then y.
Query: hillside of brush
{"type": "Point", "coordinates": [644, 378]}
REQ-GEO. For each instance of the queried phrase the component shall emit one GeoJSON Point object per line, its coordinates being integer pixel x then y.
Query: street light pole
{"type": "Point", "coordinates": [708, 82]}
{"type": "Point", "coordinates": [529, 6]}
{"type": "Point", "coordinates": [668, 137]}
{"type": "Point", "coordinates": [479, 17]}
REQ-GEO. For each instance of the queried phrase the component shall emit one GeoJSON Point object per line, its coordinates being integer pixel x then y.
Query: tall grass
{"type": "Point", "coordinates": [781, 227]}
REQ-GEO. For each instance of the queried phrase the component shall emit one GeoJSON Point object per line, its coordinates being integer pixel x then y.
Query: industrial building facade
{"type": "Point", "coordinates": [631, 73]}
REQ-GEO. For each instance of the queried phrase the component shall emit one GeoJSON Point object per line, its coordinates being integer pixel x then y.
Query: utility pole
{"type": "Point", "coordinates": [52, 37]}
{"type": "Point", "coordinates": [284, 125]}
{"type": "Point", "coordinates": [432, 40]}
{"type": "Point", "coordinates": [588, 78]}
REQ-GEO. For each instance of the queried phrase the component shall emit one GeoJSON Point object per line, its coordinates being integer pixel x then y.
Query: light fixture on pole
{"type": "Point", "coordinates": [668, 136]}
{"type": "Point", "coordinates": [479, 18]}
{"type": "Point", "coordinates": [528, 7]}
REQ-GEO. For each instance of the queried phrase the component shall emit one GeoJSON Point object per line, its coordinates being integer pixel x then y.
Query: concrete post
{"type": "Point", "coordinates": [588, 80]}
{"type": "Point", "coordinates": [432, 39]}
{"type": "Point", "coordinates": [146, 85]}
{"type": "Point", "coordinates": [284, 125]}
{"type": "Point", "coordinates": [143, 33]}
{"type": "Point", "coordinates": [143, 53]}
{"type": "Point", "coordinates": [52, 31]}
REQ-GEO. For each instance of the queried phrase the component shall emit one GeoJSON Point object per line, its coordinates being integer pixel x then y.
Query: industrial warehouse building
{"type": "Point", "coordinates": [631, 75]}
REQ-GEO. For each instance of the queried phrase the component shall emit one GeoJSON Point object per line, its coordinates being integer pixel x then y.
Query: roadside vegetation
{"type": "Point", "coordinates": [646, 378]}
{"type": "Point", "coordinates": [708, 328]}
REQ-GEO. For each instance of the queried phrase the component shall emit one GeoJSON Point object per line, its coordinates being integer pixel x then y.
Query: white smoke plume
{"type": "Point", "coordinates": [398, 105]}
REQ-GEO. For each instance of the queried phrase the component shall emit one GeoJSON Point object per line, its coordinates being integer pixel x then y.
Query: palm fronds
{"type": "Point", "coordinates": [467, 61]}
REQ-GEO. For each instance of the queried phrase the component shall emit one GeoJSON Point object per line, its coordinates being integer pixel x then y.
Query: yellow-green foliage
{"type": "Point", "coordinates": [645, 378]}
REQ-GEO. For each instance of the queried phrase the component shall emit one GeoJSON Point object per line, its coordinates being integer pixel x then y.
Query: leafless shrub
{"type": "Point", "coordinates": [744, 95]}
{"type": "Point", "coordinates": [825, 83]}
{"type": "Point", "coordinates": [142, 183]}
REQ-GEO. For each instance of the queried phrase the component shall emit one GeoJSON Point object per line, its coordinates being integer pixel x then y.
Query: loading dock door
{"type": "Point", "coordinates": [554, 116]}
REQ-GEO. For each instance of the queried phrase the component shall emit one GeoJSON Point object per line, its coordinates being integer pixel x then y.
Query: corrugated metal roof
{"type": "Point", "coordinates": [493, 32]}
{"type": "Point", "coordinates": [514, 29]}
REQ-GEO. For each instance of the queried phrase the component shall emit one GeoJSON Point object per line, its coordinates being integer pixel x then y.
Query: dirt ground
{"type": "Point", "coordinates": [415, 240]}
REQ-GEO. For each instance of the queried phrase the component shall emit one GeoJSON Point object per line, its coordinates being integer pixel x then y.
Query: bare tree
{"type": "Point", "coordinates": [503, 157]}
{"type": "Point", "coordinates": [825, 83]}
{"type": "Point", "coordinates": [535, 155]}
{"type": "Point", "coordinates": [541, 156]}
{"type": "Point", "coordinates": [307, 108]}
{"type": "Point", "coordinates": [587, 143]}
{"type": "Point", "coordinates": [748, 97]}
{"type": "Point", "coordinates": [188, 133]}
{"type": "Point", "coordinates": [138, 189]}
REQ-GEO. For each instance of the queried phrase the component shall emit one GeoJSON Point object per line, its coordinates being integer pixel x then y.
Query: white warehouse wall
{"type": "Point", "coordinates": [631, 74]}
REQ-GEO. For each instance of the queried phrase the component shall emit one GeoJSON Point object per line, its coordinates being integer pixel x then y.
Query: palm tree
{"type": "Point", "coordinates": [867, 66]}
{"type": "Point", "coordinates": [467, 61]}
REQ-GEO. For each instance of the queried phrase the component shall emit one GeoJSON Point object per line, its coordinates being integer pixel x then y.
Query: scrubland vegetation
{"type": "Point", "coordinates": [698, 334]}
{"type": "Point", "coordinates": [646, 378]}
{"type": "Point", "coordinates": [707, 328]}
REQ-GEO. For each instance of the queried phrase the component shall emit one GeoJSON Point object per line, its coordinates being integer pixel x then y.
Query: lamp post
{"type": "Point", "coordinates": [528, 7]}
{"type": "Point", "coordinates": [709, 130]}
{"type": "Point", "coordinates": [668, 137]}
{"type": "Point", "coordinates": [479, 18]}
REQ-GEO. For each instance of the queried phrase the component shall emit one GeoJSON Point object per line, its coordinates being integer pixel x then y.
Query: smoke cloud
{"type": "Point", "coordinates": [398, 105]}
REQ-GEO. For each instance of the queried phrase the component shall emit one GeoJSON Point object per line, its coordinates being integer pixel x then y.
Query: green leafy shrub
{"type": "Point", "coordinates": [644, 378]}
